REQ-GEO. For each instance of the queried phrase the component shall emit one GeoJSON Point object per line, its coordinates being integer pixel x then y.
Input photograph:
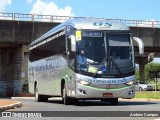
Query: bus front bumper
{"type": "Point", "coordinates": [85, 91]}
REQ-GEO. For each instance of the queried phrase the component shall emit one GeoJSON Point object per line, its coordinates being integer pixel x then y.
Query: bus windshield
{"type": "Point", "coordinates": [105, 53]}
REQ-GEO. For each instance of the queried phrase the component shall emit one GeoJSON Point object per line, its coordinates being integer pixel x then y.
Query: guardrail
{"type": "Point", "coordinates": [59, 19]}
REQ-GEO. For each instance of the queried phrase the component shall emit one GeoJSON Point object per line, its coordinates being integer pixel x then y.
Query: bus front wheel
{"type": "Point", "coordinates": [65, 98]}
{"type": "Point", "coordinates": [113, 101]}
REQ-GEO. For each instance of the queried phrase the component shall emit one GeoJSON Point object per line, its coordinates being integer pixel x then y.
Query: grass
{"type": "Point", "coordinates": [148, 94]}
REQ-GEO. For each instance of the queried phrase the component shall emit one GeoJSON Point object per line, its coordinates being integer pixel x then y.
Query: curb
{"type": "Point", "coordinates": [11, 106]}
{"type": "Point", "coordinates": [141, 99]}
{"type": "Point", "coordinates": [23, 98]}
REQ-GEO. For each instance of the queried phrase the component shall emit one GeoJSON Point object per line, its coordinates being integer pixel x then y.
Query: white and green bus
{"type": "Point", "coordinates": [55, 70]}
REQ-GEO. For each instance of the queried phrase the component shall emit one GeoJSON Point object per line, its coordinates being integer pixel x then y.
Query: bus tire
{"type": "Point", "coordinates": [65, 98]}
{"type": "Point", "coordinates": [114, 101]}
{"type": "Point", "coordinates": [40, 98]}
{"type": "Point", "coordinates": [140, 89]}
{"type": "Point", "coordinates": [75, 101]}
{"type": "Point", "coordinates": [44, 98]}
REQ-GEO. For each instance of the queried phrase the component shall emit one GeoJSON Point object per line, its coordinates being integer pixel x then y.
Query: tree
{"type": "Point", "coordinates": [149, 67]}
{"type": "Point", "coordinates": [137, 74]}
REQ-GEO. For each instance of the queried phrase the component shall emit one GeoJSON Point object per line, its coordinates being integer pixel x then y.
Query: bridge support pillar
{"type": "Point", "coordinates": [141, 72]}
{"type": "Point", "coordinates": [142, 60]}
{"type": "Point", "coordinates": [21, 72]}
{"type": "Point", "coordinates": [13, 70]}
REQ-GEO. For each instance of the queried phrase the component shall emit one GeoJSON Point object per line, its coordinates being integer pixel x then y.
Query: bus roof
{"type": "Point", "coordinates": [97, 24]}
{"type": "Point", "coordinates": [84, 23]}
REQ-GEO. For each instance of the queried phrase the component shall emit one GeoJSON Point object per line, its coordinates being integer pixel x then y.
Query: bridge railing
{"type": "Point", "coordinates": [59, 19]}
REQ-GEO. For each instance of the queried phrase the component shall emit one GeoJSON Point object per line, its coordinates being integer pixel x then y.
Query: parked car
{"type": "Point", "coordinates": [141, 86]}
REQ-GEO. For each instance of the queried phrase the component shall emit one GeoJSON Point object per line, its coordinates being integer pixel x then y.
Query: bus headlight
{"type": "Point", "coordinates": [84, 82]}
{"type": "Point", "coordinates": [130, 82]}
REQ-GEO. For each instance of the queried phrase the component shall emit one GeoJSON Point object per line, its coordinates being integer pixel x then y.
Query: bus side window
{"type": "Point", "coordinates": [70, 55]}
{"type": "Point", "coordinates": [68, 45]}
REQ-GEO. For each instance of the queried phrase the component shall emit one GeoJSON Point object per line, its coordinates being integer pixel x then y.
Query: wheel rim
{"type": "Point", "coordinates": [140, 89]}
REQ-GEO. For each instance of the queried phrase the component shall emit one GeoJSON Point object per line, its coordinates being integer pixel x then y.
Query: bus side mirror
{"type": "Point", "coordinates": [140, 44]}
{"type": "Point", "coordinates": [73, 43]}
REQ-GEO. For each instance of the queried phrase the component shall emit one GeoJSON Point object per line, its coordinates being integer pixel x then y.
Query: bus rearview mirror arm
{"type": "Point", "coordinates": [140, 44]}
{"type": "Point", "coordinates": [73, 43]}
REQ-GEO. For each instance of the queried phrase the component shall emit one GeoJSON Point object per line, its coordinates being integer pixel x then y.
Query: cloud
{"type": "Point", "coordinates": [51, 8]}
{"type": "Point", "coordinates": [3, 4]}
{"type": "Point", "coordinates": [38, 7]}
{"type": "Point", "coordinates": [29, 1]}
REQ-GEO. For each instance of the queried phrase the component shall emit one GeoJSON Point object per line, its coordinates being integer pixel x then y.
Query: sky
{"type": "Point", "coordinates": [113, 9]}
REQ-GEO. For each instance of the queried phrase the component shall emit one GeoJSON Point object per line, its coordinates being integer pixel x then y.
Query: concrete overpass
{"type": "Point", "coordinates": [18, 30]}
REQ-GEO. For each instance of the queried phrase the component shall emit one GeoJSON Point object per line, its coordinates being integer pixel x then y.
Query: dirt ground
{"type": "Point", "coordinates": [4, 102]}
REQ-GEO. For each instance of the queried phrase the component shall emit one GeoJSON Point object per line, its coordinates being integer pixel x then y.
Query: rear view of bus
{"type": "Point", "coordinates": [98, 62]}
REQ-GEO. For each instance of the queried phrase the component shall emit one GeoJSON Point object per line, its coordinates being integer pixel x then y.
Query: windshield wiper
{"type": "Point", "coordinates": [111, 59]}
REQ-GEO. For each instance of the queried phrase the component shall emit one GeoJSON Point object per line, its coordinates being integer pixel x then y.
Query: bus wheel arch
{"type": "Point", "coordinates": [62, 86]}
{"type": "Point", "coordinates": [35, 85]}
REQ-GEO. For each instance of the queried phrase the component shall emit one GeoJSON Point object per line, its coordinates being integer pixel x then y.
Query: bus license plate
{"type": "Point", "coordinates": [107, 94]}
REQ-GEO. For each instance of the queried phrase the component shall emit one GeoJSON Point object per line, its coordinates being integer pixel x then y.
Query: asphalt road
{"type": "Point", "coordinates": [92, 110]}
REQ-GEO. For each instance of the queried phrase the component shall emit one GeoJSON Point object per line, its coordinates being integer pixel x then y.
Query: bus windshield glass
{"type": "Point", "coordinates": [105, 53]}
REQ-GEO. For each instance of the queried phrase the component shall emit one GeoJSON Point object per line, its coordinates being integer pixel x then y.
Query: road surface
{"type": "Point", "coordinates": [92, 110]}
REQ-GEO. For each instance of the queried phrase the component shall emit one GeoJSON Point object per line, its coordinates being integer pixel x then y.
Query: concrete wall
{"type": "Point", "coordinates": [22, 32]}
{"type": "Point", "coordinates": [150, 36]}
{"type": "Point", "coordinates": [15, 37]}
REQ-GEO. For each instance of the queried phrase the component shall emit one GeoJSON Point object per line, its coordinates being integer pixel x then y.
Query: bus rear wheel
{"type": "Point", "coordinates": [65, 98]}
{"type": "Point", "coordinates": [40, 98]}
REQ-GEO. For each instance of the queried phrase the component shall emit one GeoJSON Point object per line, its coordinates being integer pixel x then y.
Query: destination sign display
{"type": "Point", "coordinates": [92, 34]}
